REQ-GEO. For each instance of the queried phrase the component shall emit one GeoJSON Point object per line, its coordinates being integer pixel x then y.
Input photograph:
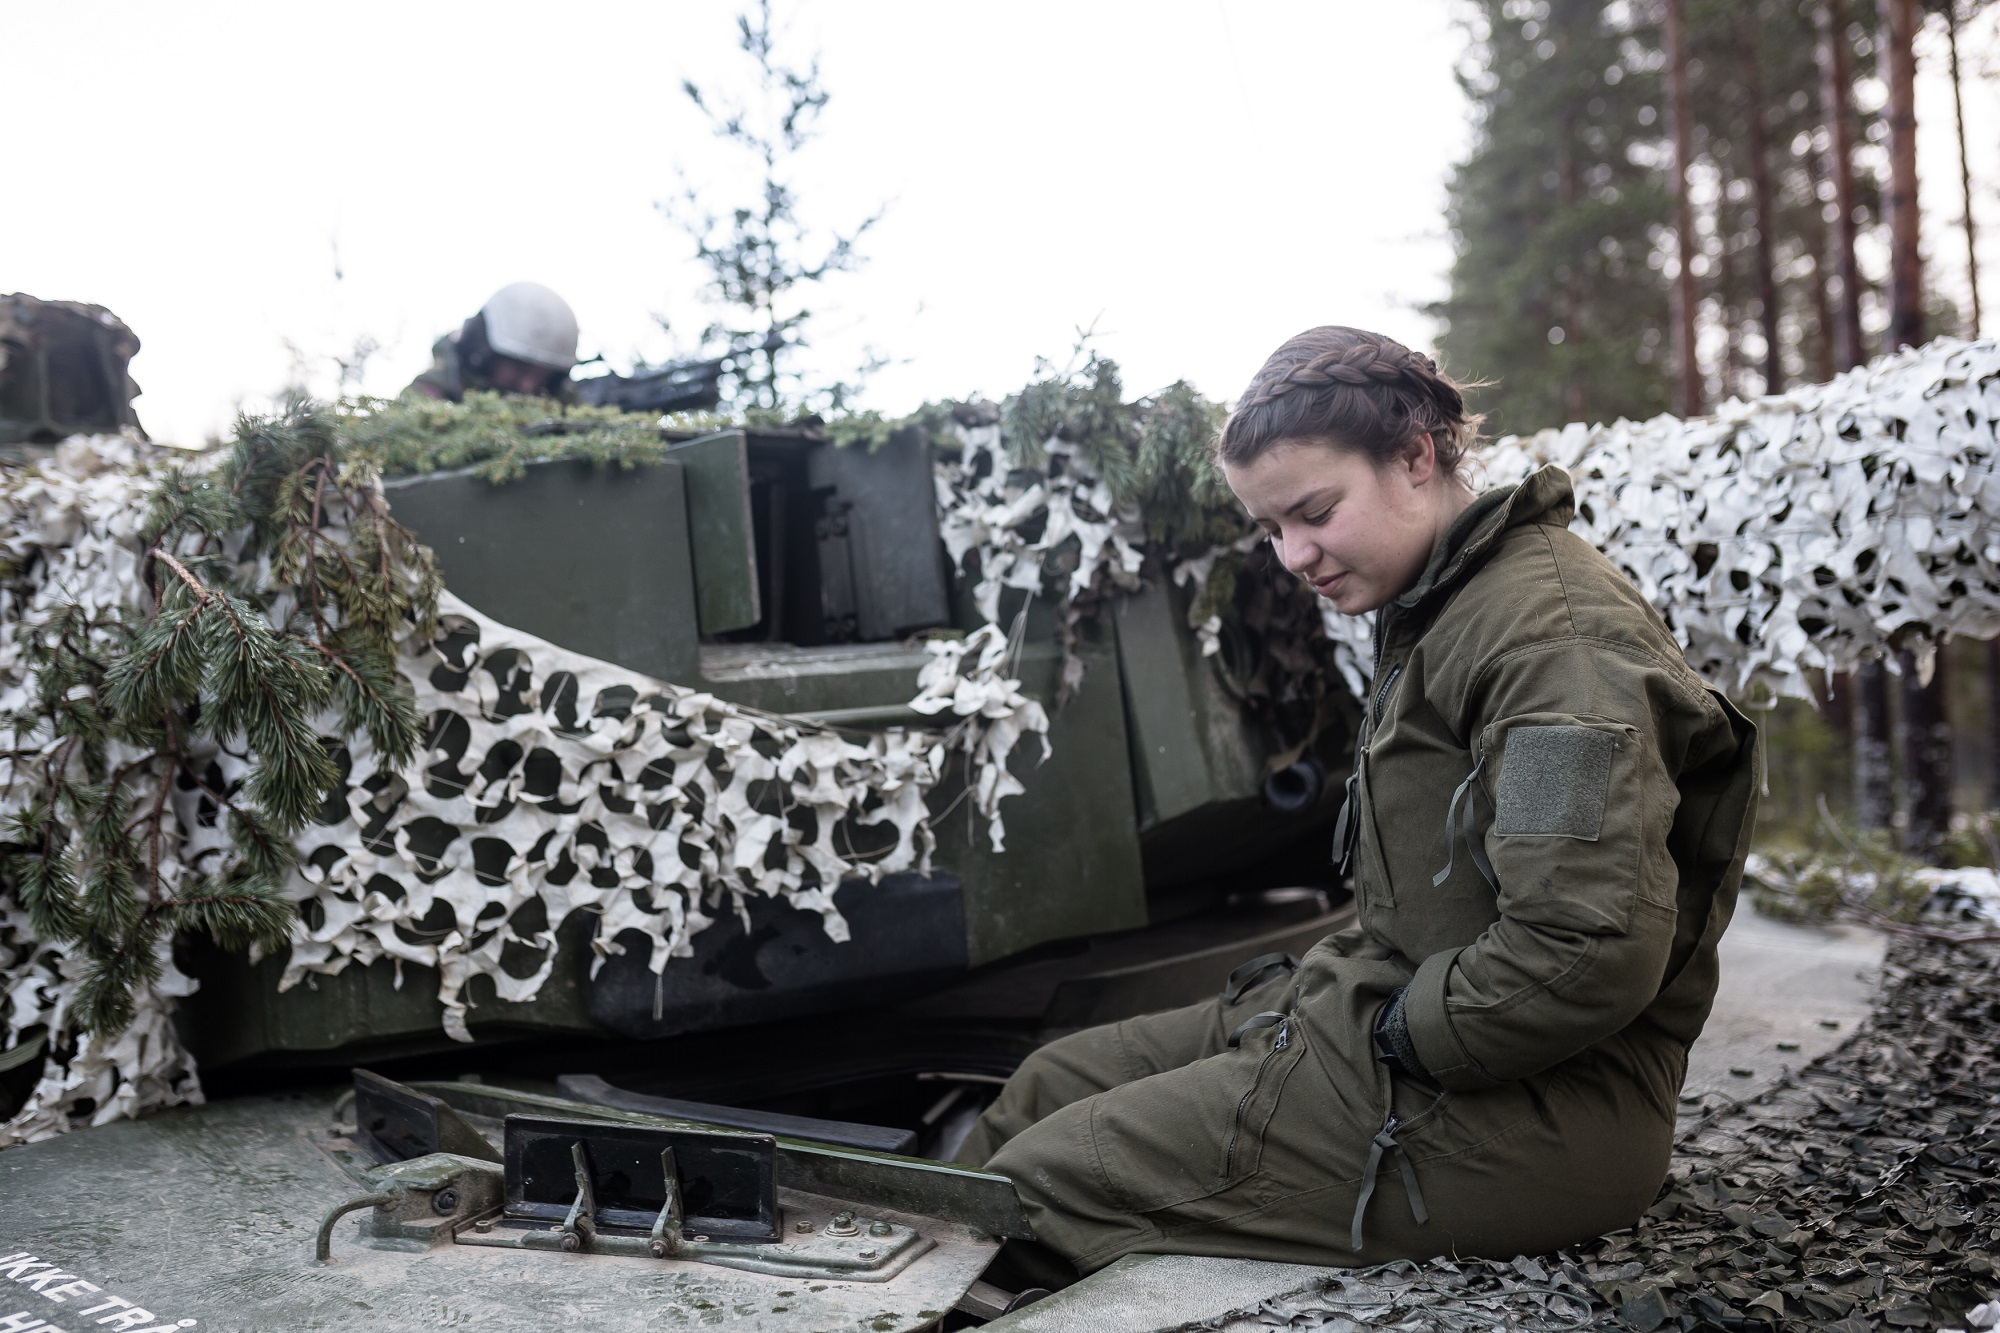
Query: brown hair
{"type": "Point", "coordinates": [1351, 389]}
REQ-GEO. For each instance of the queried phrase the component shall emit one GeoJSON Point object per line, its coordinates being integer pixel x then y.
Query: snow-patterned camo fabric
{"type": "Point", "coordinates": [1806, 531]}
{"type": "Point", "coordinates": [140, 1069]}
{"type": "Point", "coordinates": [553, 780]}
{"type": "Point", "coordinates": [563, 781]}
{"type": "Point", "coordinates": [74, 525]}
{"type": "Point", "coordinates": [1016, 519]}
{"type": "Point", "coordinates": [969, 679]}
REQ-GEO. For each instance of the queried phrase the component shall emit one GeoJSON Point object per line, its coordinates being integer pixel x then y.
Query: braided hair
{"type": "Point", "coordinates": [1351, 389]}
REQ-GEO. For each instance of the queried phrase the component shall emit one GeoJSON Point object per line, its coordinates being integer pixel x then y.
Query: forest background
{"type": "Point", "coordinates": [1673, 202]}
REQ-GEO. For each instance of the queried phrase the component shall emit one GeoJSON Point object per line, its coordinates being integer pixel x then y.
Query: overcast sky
{"type": "Point", "coordinates": [1197, 181]}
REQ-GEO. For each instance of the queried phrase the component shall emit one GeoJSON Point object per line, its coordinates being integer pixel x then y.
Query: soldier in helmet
{"type": "Point", "coordinates": [523, 340]}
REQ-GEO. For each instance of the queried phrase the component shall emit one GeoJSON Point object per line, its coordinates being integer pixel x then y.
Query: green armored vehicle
{"type": "Point", "coordinates": [1154, 851]}
{"type": "Point", "coordinates": [755, 1129]}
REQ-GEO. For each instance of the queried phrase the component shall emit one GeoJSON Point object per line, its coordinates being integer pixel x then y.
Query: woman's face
{"type": "Point", "coordinates": [1359, 533]}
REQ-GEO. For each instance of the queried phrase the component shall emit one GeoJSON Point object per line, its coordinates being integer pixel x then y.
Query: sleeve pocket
{"type": "Point", "coordinates": [1553, 782]}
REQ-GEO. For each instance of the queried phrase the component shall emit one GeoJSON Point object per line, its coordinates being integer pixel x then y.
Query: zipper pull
{"type": "Point", "coordinates": [1284, 1035]}
{"type": "Point", "coordinates": [1385, 1141]}
{"type": "Point", "coordinates": [1347, 826]}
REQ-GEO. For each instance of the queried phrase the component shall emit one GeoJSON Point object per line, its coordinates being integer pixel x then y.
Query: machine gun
{"type": "Point", "coordinates": [683, 386]}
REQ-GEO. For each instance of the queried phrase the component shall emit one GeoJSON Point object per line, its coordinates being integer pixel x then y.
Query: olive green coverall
{"type": "Point", "coordinates": [1549, 816]}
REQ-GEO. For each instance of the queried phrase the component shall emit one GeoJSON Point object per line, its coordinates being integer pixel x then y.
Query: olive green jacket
{"type": "Point", "coordinates": [1551, 810]}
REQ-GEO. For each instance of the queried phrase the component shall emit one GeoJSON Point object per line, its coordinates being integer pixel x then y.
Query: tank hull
{"type": "Point", "coordinates": [206, 1218]}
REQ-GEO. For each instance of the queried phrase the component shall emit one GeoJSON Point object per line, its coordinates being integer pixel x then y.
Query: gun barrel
{"type": "Point", "coordinates": [687, 386]}
{"type": "Point", "coordinates": [684, 386]}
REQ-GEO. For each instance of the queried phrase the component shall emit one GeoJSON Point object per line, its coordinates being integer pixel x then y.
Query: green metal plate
{"type": "Point", "coordinates": [720, 530]}
{"type": "Point", "coordinates": [592, 558]}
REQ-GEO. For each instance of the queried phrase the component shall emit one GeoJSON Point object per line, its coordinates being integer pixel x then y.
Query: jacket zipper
{"type": "Point", "coordinates": [1236, 1131]}
{"type": "Point", "coordinates": [1347, 828]}
{"type": "Point", "coordinates": [1382, 692]}
{"type": "Point", "coordinates": [1381, 635]}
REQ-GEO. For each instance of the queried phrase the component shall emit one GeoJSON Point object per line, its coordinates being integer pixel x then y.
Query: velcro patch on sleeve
{"type": "Point", "coordinates": [1553, 782]}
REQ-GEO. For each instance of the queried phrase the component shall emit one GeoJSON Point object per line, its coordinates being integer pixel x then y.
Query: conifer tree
{"type": "Point", "coordinates": [762, 256]}
{"type": "Point", "coordinates": [1552, 217]}
{"type": "Point", "coordinates": [1552, 81]}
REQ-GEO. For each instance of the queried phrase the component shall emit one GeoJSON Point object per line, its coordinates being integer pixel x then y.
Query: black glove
{"type": "Point", "coordinates": [1393, 1046]}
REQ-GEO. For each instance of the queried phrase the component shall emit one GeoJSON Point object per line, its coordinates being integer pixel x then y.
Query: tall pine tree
{"type": "Point", "coordinates": [1562, 216]}
{"type": "Point", "coordinates": [1554, 216]}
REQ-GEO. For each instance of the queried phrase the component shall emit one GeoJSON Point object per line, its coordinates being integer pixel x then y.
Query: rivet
{"type": "Point", "coordinates": [868, 1254]}
{"type": "Point", "coordinates": [880, 1229]}
{"type": "Point", "coordinates": [803, 1226]}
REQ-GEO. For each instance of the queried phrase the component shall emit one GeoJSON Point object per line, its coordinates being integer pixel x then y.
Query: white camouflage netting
{"type": "Point", "coordinates": [82, 516]}
{"type": "Point", "coordinates": [1807, 531]}
{"type": "Point", "coordinates": [556, 780]}
{"type": "Point", "coordinates": [987, 505]}
{"type": "Point", "coordinates": [1018, 523]}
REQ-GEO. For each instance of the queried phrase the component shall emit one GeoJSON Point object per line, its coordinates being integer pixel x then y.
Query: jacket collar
{"type": "Point", "coordinates": [1545, 497]}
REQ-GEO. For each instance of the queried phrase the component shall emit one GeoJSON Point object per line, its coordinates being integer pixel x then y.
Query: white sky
{"type": "Point", "coordinates": [1198, 179]}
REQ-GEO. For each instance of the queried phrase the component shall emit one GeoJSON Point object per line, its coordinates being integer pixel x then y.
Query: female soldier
{"type": "Point", "coordinates": [1545, 830]}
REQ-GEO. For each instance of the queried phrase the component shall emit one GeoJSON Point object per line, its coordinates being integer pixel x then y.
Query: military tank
{"type": "Point", "coordinates": [1157, 849]}
{"type": "Point", "coordinates": [753, 1134]}
{"type": "Point", "coordinates": [759, 1127]}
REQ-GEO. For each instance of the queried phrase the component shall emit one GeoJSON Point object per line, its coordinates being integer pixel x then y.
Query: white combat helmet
{"type": "Point", "coordinates": [528, 322]}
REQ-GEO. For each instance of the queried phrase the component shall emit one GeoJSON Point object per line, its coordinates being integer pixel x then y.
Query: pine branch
{"type": "Point", "coordinates": [117, 967]}
{"type": "Point", "coordinates": [374, 699]}
{"type": "Point", "coordinates": [239, 915]}
{"type": "Point", "coordinates": [286, 530]}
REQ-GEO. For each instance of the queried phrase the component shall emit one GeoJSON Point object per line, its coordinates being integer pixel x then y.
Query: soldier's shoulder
{"type": "Point", "coordinates": [1545, 583]}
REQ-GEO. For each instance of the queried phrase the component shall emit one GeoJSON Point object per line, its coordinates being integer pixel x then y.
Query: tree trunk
{"type": "Point", "coordinates": [1729, 379]}
{"type": "Point", "coordinates": [1840, 705]}
{"type": "Point", "coordinates": [1576, 406]}
{"type": "Point", "coordinates": [1837, 110]}
{"type": "Point", "coordinates": [1964, 175]}
{"type": "Point", "coordinates": [1866, 721]}
{"type": "Point", "coordinates": [1927, 749]}
{"type": "Point", "coordinates": [1874, 797]}
{"type": "Point", "coordinates": [1926, 759]}
{"type": "Point", "coordinates": [1993, 724]}
{"type": "Point", "coordinates": [1760, 196]}
{"type": "Point", "coordinates": [1688, 399]}
{"type": "Point", "coordinates": [1978, 324]}
{"type": "Point", "coordinates": [1898, 57]}
{"type": "Point", "coordinates": [1822, 306]}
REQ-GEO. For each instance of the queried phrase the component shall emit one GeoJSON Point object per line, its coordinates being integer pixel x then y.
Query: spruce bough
{"type": "Point", "coordinates": [274, 589]}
